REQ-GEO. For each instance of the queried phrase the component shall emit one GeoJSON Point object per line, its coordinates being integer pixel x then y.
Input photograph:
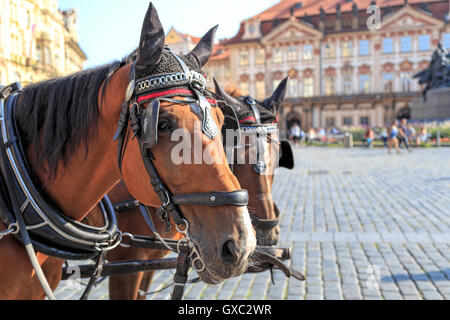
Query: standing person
{"type": "Point", "coordinates": [369, 137]}
{"type": "Point", "coordinates": [295, 133]}
{"type": "Point", "coordinates": [393, 140]}
{"type": "Point", "coordinates": [410, 133]}
{"type": "Point", "coordinates": [422, 137]}
{"type": "Point", "coordinates": [322, 135]}
{"type": "Point", "coordinates": [384, 137]}
{"type": "Point", "coordinates": [311, 135]}
{"type": "Point", "coordinates": [402, 134]}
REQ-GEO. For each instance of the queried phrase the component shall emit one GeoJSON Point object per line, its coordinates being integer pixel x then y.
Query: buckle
{"type": "Point", "coordinates": [6, 91]}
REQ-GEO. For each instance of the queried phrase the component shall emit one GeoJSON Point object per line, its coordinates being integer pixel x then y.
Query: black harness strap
{"type": "Point", "coordinates": [181, 274]}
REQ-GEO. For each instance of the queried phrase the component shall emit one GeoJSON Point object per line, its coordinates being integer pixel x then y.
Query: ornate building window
{"type": "Point", "coordinates": [347, 121]}
{"type": "Point", "coordinates": [405, 44]}
{"type": "Point", "coordinates": [293, 88]}
{"type": "Point", "coordinates": [47, 56]}
{"type": "Point", "coordinates": [364, 83]}
{"type": "Point", "coordinates": [308, 87]}
{"type": "Point", "coordinates": [348, 84]}
{"type": "Point", "coordinates": [244, 86]}
{"type": "Point", "coordinates": [307, 52]}
{"type": "Point", "coordinates": [330, 79]}
{"type": "Point", "coordinates": [424, 42]}
{"type": "Point", "coordinates": [277, 55]}
{"type": "Point", "coordinates": [260, 56]}
{"type": "Point", "coordinates": [243, 58]}
{"type": "Point", "coordinates": [260, 90]}
{"type": "Point", "coordinates": [364, 47]}
{"type": "Point", "coordinates": [329, 86]}
{"type": "Point", "coordinates": [293, 91]}
{"type": "Point", "coordinates": [364, 121]}
{"type": "Point", "coordinates": [292, 53]}
{"type": "Point", "coordinates": [347, 49]}
{"type": "Point", "coordinates": [38, 53]}
{"type": "Point", "coordinates": [329, 122]}
{"type": "Point", "coordinates": [388, 81]}
{"type": "Point", "coordinates": [329, 50]}
{"type": "Point", "coordinates": [405, 80]}
{"type": "Point", "coordinates": [227, 71]}
{"type": "Point", "coordinates": [446, 40]}
{"type": "Point", "coordinates": [388, 45]}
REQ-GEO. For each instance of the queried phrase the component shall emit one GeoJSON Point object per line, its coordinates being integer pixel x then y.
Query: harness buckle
{"type": "Point", "coordinates": [6, 91]}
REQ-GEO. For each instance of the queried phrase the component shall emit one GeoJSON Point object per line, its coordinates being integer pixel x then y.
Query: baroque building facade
{"type": "Point", "coordinates": [346, 68]}
{"type": "Point", "coordinates": [37, 41]}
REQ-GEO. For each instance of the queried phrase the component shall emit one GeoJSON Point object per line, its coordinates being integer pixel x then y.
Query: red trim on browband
{"type": "Point", "coordinates": [248, 118]}
{"type": "Point", "coordinates": [170, 92]}
{"type": "Point", "coordinates": [164, 93]}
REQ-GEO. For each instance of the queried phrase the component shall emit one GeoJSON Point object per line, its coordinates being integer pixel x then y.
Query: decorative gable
{"type": "Point", "coordinates": [408, 17]}
{"type": "Point", "coordinates": [292, 30]}
{"type": "Point", "coordinates": [173, 37]}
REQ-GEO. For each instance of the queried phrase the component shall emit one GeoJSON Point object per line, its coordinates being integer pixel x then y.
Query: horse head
{"type": "Point", "coordinates": [178, 144]}
{"type": "Point", "coordinates": [257, 155]}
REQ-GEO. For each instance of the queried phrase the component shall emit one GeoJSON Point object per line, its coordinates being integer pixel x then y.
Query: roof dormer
{"type": "Point", "coordinates": [252, 29]}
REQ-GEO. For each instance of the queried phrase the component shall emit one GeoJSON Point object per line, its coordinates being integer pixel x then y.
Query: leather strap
{"type": "Point", "coordinates": [181, 275]}
{"type": "Point", "coordinates": [214, 199]}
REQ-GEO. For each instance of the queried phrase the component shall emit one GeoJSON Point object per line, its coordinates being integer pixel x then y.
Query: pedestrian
{"type": "Point", "coordinates": [311, 136]}
{"type": "Point", "coordinates": [384, 137]}
{"type": "Point", "coordinates": [322, 135]}
{"type": "Point", "coordinates": [392, 137]}
{"type": "Point", "coordinates": [369, 137]}
{"type": "Point", "coordinates": [402, 134]}
{"type": "Point", "coordinates": [422, 137]}
{"type": "Point", "coordinates": [295, 133]}
{"type": "Point", "coordinates": [410, 133]}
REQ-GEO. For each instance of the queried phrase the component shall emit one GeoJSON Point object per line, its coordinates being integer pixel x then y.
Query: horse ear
{"type": "Point", "coordinates": [152, 40]}
{"type": "Point", "coordinates": [274, 102]}
{"type": "Point", "coordinates": [202, 52]}
{"type": "Point", "coordinates": [231, 101]}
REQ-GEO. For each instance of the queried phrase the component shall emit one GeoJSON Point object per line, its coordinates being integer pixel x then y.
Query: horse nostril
{"type": "Point", "coordinates": [230, 253]}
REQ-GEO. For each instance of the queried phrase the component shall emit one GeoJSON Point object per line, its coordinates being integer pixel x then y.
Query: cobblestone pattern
{"type": "Point", "coordinates": [361, 225]}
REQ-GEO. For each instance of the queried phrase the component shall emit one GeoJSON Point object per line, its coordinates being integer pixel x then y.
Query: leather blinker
{"type": "Point", "coordinates": [287, 156]}
{"type": "Point", "coordinates": [149, 124]}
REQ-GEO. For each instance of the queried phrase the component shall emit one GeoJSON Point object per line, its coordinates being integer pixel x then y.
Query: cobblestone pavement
{"type": "Point", "coordinates": [361, 225]}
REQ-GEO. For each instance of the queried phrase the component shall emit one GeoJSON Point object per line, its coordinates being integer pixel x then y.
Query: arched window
{"type": "Point", "coordinates": [47, 56]}
{"type": "Point", "coordinates": [38, 53]}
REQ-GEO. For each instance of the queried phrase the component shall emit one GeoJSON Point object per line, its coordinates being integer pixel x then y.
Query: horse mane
{"type": "Point", "coordinates": [56, 116]}
{"type": "Point", "coordinates": [233, 91]}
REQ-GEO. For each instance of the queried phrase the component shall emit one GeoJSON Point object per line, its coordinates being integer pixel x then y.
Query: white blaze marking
{"type": "Point", "coordinates": [249, 232]}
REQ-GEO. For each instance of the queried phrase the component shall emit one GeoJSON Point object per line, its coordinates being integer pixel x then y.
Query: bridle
{"type": "Point", "coordinates": [261, 131]}
{"type": "Point", "coordinates": [143, 122]}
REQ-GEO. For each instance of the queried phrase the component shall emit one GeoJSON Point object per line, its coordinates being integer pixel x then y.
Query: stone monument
{"type": "Point", "coordinates": [435, 104]}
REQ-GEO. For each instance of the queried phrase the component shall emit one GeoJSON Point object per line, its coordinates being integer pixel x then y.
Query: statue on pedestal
{"type": "Point", "coordinates": [437, 75]}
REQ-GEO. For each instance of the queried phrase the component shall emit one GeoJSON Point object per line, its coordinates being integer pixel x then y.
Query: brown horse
{"type": "Point", "coordinates": [261, 205]}
{"type": "Point", "coordinates": [67, 126]}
